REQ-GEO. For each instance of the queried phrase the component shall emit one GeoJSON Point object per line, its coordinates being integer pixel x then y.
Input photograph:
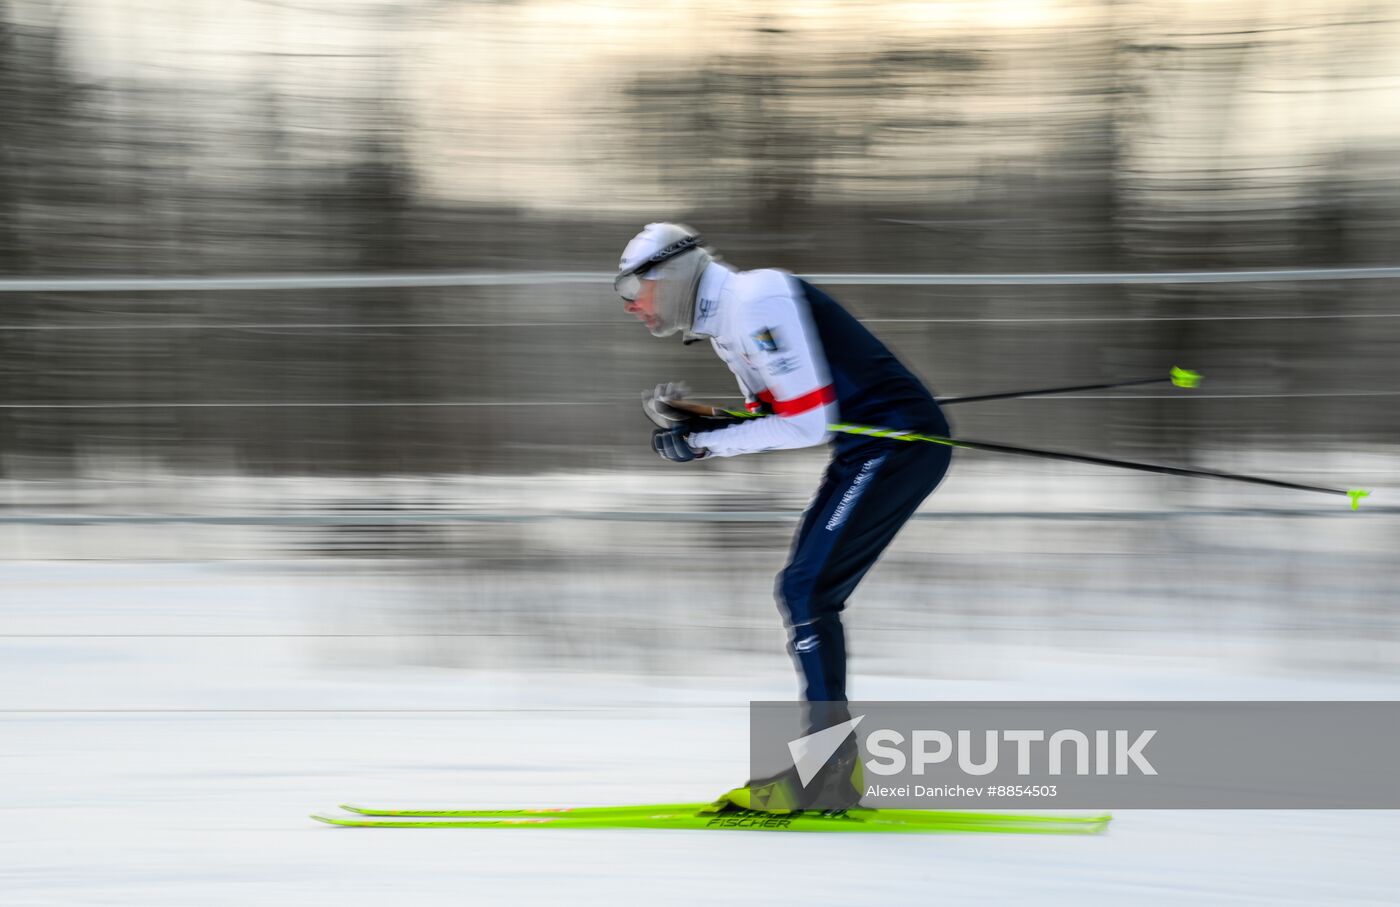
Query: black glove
{"type": "Point", "coordinates": [657, 407]}
{"type": "Point", "coordinates": [670, 443]}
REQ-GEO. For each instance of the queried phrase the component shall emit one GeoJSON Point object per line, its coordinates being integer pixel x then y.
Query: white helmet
{"type": "Point", "coordinates": [672, 255]}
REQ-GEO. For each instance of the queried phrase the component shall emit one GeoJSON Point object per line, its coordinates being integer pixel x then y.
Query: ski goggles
{"type": "Point", "coordinates": [628, 284]}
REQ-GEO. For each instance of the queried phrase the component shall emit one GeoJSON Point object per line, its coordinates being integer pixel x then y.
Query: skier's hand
{"type": "Point", "coordinates": [670, 444]}
{"type": "Point", "coordinates": [657, 405]}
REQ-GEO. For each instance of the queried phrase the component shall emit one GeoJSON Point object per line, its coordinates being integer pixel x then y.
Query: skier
{"type": "Point", "coordinates": [803, 363]}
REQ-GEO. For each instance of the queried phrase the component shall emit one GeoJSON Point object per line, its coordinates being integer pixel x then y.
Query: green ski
{"type": "Point", "coordinates": [860, 820]}
{"type": "Point", "coordinates": [905, 816]}
{"type": "Point", "coordinates": [566, 812]}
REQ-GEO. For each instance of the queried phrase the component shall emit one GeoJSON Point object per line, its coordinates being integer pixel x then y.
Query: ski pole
{"type": "Point", "coordinates": [1179, 376]}
{"type": "Point", "coordinates": [1355, 494]}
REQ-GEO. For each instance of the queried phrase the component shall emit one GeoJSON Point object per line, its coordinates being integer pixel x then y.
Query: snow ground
{"type": "Point", "coordinates": [165, 729]}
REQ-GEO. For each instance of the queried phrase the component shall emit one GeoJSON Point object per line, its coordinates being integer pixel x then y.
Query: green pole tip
{"type": "Point", "coordinates": [1185, 377]}
{"type": "Point", "coordinates": [1356, 494]}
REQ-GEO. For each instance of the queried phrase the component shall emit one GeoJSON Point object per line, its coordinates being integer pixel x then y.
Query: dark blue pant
{"type": "Point", "coordinates": [864, 499]}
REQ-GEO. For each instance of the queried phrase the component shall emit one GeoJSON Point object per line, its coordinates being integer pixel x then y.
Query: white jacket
{"type": "Point", "coordinates": [759, 324]}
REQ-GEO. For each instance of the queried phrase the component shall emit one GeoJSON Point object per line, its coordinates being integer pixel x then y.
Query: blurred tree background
{"type": "Point", "coordinates": [147, 138]}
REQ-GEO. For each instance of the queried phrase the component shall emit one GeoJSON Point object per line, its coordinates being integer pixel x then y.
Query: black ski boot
{"type": "Point", "coordinates": [838, 785]}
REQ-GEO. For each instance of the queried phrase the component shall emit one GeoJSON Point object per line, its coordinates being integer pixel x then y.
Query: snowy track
{"type": "Point", "coordinates": [175, 764]}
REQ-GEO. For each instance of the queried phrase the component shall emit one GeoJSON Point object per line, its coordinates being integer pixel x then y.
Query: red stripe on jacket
{"type": "Point", "coordinates": [754, 406]}
{"type": "Point", "coordinates": [799, 405]}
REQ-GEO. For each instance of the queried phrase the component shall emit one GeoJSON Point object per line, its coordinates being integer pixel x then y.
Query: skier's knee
{"type": "Point", "coordinates": [794, 598]}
